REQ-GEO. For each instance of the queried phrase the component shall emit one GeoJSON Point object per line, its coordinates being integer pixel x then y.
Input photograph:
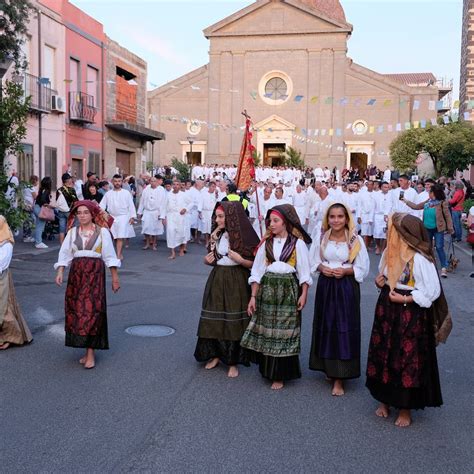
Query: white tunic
{"type": "Point", "coordinates": [400, 206]}
{"type": "Point", "coordinates": [152, 207]}
{"type": "Point", "coordinates": [176, 228]}
{"type": "Point", "coordinates": [366, 212]}
{"type": "Point", "coordinates": [302, 269]}
{"type": "Point", "coordinates": [208, 204]}
{"type": "Point", "coordinates": [427, 287]}
{"type": "Point", "coordinates": [299, 202]}
{"type": "Point", "coordinates": [194, 207]}
{"type": "Point", "coordinates": [103, 248]}
{"type": "Point", "coordinates": [119, 204]}
{"type": "Point", "coordinates": [383, 208]}
{"type": "Point", "coordinates": [336, 255]}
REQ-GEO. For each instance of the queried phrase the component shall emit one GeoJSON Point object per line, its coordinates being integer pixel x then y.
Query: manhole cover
{"type": "Point", "coordinates": [150, 330]}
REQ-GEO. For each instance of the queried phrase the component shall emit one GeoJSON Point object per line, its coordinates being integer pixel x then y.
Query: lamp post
{"type": "Point", "coordinates": [190, 160]}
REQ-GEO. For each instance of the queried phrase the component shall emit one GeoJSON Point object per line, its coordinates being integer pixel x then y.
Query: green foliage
{"type": "Point", "coordinates": [294, 158]}
{"type": "Point", "coordinates": [182, 168]}
{"type": "Point", "coordinates": [13, 117]}
{"type": "Point", "coordinates": [257, 158]}
{"type": "Point", "coordinates": [450, 147]}
{"type": "Point", "coordinates": [15, 215]}
{"type": "Point", "coordinates": [468, 203]}
{"type": "Point", "coordinates": [14, 27]}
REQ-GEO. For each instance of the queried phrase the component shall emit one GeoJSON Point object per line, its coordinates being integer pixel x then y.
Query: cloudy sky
{"type": "Point", "coordinates": [388, 36]}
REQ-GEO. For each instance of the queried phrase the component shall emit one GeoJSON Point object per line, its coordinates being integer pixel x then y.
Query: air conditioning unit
{"type": "Point", "coordinates": [58, 104]}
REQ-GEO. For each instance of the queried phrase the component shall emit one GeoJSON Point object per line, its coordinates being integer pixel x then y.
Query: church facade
{"type": "Point", "coordinates": [286, 63]}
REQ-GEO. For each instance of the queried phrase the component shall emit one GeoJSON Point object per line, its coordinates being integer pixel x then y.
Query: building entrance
{"type": "Point", "coordinates": [274, 154]}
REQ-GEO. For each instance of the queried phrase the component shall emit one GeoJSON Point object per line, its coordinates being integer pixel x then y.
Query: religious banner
{"type": "Point", "coordinates": [246, 167]}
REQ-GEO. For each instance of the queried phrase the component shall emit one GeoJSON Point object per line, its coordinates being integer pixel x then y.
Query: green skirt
{"type": "Point", "coordinates": [275, 327]}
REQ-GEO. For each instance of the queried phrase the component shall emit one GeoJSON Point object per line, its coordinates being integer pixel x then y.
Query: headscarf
{"type": "Point", "coordinates": [407, 236]}
{"type": "Point", "coordinates": [242, 237]}
{"type": "Point", "coordinates": [99, 216]}
{"type": "Point", "coordinates": [352, 237]}
{"type": "Point", "coordinates": [294, 228]}
{"type": "Point", "coordinates": [5, 232]}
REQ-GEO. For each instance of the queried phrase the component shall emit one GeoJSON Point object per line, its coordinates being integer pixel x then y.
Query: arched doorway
{"type": "Point", "coordinates": [359, 161]}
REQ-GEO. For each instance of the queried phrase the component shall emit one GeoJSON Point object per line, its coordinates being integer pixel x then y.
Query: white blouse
{"type": "Point", "coordinates": [302, 269]}
{"type": "Point", "coordinates": [6, 253]}
{"type": "Point", "coordinates": [103, 248]}
{"type": "Point", "coordinates": [427, 286]}
{"type": "Point", "coordinates": [223, 249]}
{"type": "Point", "coordinates": [336, 255]}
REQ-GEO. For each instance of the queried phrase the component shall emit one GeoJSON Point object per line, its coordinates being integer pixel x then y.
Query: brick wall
{"type": "Point", "coordinates": [466, 88]}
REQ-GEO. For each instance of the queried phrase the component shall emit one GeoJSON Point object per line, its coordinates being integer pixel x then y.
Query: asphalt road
{"type": "Point", "coordinates": [148, 406]}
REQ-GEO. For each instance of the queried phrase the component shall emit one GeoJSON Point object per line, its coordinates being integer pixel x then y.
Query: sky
{"type": "Point", "coordinates": [388, 36]}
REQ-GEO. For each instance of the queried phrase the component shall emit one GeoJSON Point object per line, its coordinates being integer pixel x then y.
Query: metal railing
{"type": "Point", "coordinates": [81, 107]}
{"type": "Point", "coordinates": [39, 92]}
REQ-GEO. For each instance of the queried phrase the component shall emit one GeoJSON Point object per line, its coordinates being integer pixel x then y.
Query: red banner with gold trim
{"type": "Point", "coordinates": [246, 168]}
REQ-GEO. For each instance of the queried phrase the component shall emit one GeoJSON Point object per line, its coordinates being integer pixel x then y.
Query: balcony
{"type": "Point", "coordinates": [39, 92]}
{"type": "Point", "coordinates": [81, 108]}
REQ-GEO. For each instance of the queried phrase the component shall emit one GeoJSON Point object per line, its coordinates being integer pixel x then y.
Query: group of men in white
{"type": "Point", "coordinates": [184, 209]}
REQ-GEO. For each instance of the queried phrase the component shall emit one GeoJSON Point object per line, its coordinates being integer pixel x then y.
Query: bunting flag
{"type": "Point", "coordinates": [416, 105]}
{"type": "Point", "coordinates": [431, 105]}
{"type": "Point", "coordinates": [371, 102]}
{"type": "Point", "coordinates": [253, 94]}
{"type": "Point", "coordinates": [467, 115]}
{"type": "Point", "coordinates": [329, 100]}
{"type": "Point", "coordinates": [246, 167]}
{"type": "Point", "coordinates": [314, 99]}
{"type": "Point", "coordinates": [387, 102]}
{"type": "Point", "coordinates": [439, 105]}
{"type": "Point", "coordinates": [299, 98]}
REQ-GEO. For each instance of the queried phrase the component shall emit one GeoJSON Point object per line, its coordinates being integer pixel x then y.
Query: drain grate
{"type": "Point", "coordinates": [150, 330]}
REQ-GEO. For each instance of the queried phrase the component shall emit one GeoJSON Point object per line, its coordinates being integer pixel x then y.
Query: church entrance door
{"type": "Point", "coordinates": [274, 154]}
{"type": "Point", "coordinates": [359, 160]}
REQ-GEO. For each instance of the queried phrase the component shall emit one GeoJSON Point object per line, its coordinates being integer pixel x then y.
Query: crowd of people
{"type": "Point", "coordinates": [265, 244]}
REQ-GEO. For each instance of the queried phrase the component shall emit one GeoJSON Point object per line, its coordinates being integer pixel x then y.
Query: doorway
{"type": "Point", "coordinates": [122, 162]}
{"type": "Point", "coordinates": [193, 158]}
{"type": "Point", "coordinates": [77, 169]}
{"type": "Point", "coordinates": [359, 160]}
{"type": "Point", "coordinates": [274, 154]}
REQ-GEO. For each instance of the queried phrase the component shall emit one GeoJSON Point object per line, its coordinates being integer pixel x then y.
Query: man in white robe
{"type": "Point", "coordinates": [208, 203]}
{"type": "Point", "coordinates": [194, 207]}
{"type": "Point", "coordinates": [319, 209]}
{"type": "Point", "coordinates": [383, 208]}
{"type": "Point", "coordinates": [119, 204]}
{"type": "Point", "coordinates": [175, 220]}
{"type": "Point", "coordinates": [151, 209]}
{"type": "Point", "coordinates": [222, 190]}
{"type": "Point", "coordinates": [319, 173]}
{"type": "Point", "coordinates": [366, 213]}
{"type": "Point", "coordinates": [408, 193]}
{"type": "Point", "coordinates": [299, 203]}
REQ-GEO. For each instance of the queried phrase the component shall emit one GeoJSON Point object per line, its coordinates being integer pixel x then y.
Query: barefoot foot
{"type": "Point", "coordinates": [338, 388]}
{"type": "Point", "coordinates": [383, 411]}
{"type": "Point", "coordinates": [233, 372]}
{"type": "Point", "coordinates": [82, 360]}
{"type": "Point", "coordinates": [4, 346]}
{"type": "Point", "coordinates": [277, 385]}
{"type": "Point", "coordinates": [404, 419]}
{"type": "Point", "coordinates": [212, 364]}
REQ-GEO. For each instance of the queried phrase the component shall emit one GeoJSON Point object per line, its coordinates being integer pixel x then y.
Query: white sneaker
{"type": "Point", "coordinates": [29, 240]}
{"type": "Point", "coordinates": [41, 246]}
{"type": "Point", "coordinates": [444, 273]}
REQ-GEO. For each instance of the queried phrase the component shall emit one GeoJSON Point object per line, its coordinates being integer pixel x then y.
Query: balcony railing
{"type": "Point", "coordinates": [39, 92]}
{"type": "Point", "coordinates": [81, 107]}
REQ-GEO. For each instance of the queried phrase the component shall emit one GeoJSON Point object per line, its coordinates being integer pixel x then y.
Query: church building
{"type": "Point", "coordinates": [286, 63]}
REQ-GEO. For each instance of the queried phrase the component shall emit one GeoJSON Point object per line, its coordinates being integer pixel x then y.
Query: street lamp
{"type": "Point", "coordinates": [190, 160]}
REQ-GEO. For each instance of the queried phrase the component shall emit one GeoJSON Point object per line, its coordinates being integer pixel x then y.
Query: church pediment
{"type": "Point", "coordinates": [277, 17]}
{"type": "Point", "coordinates": [274, 122]}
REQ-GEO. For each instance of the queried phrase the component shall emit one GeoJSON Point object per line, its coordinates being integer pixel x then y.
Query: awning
{"type": "Point", "coordinates": [137, 131]}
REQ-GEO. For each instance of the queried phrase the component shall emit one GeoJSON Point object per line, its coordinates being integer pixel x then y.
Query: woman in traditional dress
{"type": "Point", "coordinates": [90, 248]}
{"type": "Point", "coordinates": [340, 256]}
{"type": "Point", "coordinates": [280, 279]}
{"type": "Point", "coordinates": [224, 308]}
{"type": "Point", "coordinates": [411, 317]}
{"type": "Point", "coordinates": [13, 328]}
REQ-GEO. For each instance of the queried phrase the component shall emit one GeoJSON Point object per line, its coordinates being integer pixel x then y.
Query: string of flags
{"type": "Point", "coordinates": [433, 105]}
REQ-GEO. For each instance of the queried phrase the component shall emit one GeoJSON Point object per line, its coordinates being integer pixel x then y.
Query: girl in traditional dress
{"type": "Point", "coordinates": [13, 328]}
{"type": "Point", "coordinates": [224, 308]}
{"type": "Point", "coordinates": [90, 249]}
{"type": "Point", "coordinates": [280, 279]}
{"type": "Point", "coordinates": [340, 256]}
{"type": "Point", "coordinates": [411, 317]}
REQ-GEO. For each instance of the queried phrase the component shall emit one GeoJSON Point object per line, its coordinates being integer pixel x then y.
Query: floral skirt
{"type": "Point", "coordinates": [86, 304]}
{"type": "Point", "coordinates": [402, 369]}
{"type": "Point", "coordinates": [224, 316]}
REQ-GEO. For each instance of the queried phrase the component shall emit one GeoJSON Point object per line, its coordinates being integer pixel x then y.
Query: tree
{"type": "Point", "coordinates": [182, 168]}
{"type": "Point", "coordinates": [449, 146]}
{"type": "Point", "coordinates": [293, 157]}
{"type": "Point", "coordinates": [257, 158]}
{"type": "Point", "coordinates": [14, 27]}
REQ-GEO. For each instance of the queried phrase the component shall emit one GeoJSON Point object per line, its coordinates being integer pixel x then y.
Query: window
{"type": "Point", "coordinates": [276, 89]}
{"type": "Point", "coordinates": [94, 162]}
{"type": "Point", "coordinates": [50, 163]}
{"type": "Point", "coordinates": [25, 162]}
{"type": "Point", "coordinates": [74, 75]}
{"type": "Point", "coordinates": [49, 65]}
{"type": "Point", "coordinates": [92, 84]}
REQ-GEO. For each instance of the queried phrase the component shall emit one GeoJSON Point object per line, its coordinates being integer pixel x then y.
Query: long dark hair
{"type": "Point", "coordinates": [45, 185]}
{"type": "Point", "coordinates": [338, 205]}
{"type": "Point", "coordinates": [438, 192]}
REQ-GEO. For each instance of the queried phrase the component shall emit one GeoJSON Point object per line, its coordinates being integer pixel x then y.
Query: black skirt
{"type": "Point", "coordinates": [276, 368]}
{"type": "Point", "coordinates": [402, 368]}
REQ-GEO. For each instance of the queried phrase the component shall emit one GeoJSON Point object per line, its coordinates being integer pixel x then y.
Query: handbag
{"type": "Point", "coordinates": [46, 214]}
